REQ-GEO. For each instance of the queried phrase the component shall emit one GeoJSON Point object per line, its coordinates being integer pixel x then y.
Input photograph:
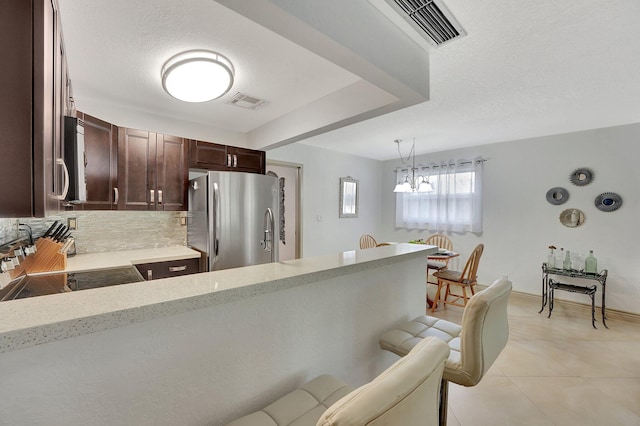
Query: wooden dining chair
{"type": "Point", "coordinates": [444, 243]}
{"type": "Point", "coordinates": [367, 241]}
{"type": "Point", "coordinates": [465, 279]}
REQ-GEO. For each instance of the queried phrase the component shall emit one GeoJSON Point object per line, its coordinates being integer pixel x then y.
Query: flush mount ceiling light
{"type": "Point", "coordinates": [197, 76]}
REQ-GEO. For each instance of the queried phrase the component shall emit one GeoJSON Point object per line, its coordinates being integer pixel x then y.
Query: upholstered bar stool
{"type": "Point", "coordinates": [475, 344]}
{"type": "Point", "coordinates": [404, 394]}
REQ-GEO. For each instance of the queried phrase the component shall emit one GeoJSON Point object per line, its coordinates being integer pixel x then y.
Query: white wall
{"type": "Point", "coordinates": [519, 224]}
{"type": "Point", "coordinates": [210, 365]}
{"type": "Point", "coordinates": [322, 230]}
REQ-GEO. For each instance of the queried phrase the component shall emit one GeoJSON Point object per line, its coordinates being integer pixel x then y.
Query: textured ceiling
{"type": "Point", "coordinates": [525, 69]}
{"type": "Point", "coordinates": [116, 50]}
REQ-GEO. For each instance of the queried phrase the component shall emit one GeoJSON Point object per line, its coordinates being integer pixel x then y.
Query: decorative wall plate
{"type": "Point", "coordinates": [581, 176]}
{"type": "Point", "coordinates": [572, 218]}
{"type": "Point", "coordinates": [557, 196]}
{"type": "Point", "coordinates": [608, 201]}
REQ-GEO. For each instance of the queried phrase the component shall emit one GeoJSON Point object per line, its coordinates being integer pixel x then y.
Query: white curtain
{"type": "Point", "coordinates": [455, 204]}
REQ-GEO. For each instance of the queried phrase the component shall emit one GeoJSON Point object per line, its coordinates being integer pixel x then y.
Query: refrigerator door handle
{"type": "Point", "coordinates": [269, 225]}
{"type": "Point", "coordinates": [216, 219]}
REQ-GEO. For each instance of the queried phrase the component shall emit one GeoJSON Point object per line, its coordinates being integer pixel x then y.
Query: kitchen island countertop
{"type": "Point", "coordinates": [38, 320]}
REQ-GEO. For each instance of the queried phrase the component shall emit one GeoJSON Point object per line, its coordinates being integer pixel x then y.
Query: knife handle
{"type": "Point", "coordinates": [51, 228]}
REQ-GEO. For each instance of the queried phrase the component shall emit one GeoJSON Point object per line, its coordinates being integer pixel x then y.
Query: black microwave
{"type": "Point", "coordinates": [75, 159]}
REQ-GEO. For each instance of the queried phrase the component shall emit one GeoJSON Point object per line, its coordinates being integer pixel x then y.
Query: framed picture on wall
{"type": "Point", "coordinates": [348, 197]}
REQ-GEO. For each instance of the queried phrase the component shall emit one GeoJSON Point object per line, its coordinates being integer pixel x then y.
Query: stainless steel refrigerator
{"type": "Point", "coordinates": [233, 219]}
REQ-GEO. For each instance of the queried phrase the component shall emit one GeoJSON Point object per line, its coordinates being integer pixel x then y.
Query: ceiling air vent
{"type": "Point", "coordinates": [243, 100]}
{"type": "Point", "coordinates": [429, 18]}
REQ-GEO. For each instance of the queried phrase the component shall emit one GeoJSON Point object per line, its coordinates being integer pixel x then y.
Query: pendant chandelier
{"type": "Point", "coordinates": [411, 182]}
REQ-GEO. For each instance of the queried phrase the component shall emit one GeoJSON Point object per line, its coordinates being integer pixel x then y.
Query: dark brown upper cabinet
{"type": "Point", "coordinates": [172, 178]}
{"type": "Point", "coordinates": [33, 75]}
{"type": "Point", "coordinates": [101, 163]}
{"type": "Point", "coordinates": [152, 171]}
{"type": "Point", "coordinates": [212, 156]}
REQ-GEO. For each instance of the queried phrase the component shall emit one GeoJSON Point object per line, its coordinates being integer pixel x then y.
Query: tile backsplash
{"type": "Point", "coordinates": [101, 231]}
{"type": "Point", "coordinates": [8, 229]}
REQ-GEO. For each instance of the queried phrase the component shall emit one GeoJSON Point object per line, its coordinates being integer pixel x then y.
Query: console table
{"type": "Point", "coordinates": [550, 285]}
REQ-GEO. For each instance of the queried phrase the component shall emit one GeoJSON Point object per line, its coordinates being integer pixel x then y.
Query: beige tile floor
{"type": "Point", "coordinates": [555, 371]}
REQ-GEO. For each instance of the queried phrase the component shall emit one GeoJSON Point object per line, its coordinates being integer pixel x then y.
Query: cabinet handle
{"type": "Point", "coordinates": [228, 160]}
{"type": "Point", "coordinates": [160, 196]}
{"type": "Point", "coordinates": [177, 268]}
{"type": "Point", "coordinates": [235, 160]}
{"type": "Point", "coordinates": [65, 188]}
{"type": "Point", "coordinates": [152, 196]}
{"type": "Point", "coordinates": [116, 195]}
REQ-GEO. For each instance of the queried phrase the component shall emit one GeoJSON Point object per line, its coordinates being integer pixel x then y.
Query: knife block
{"type": "Point", "coordinates": [46, 258]}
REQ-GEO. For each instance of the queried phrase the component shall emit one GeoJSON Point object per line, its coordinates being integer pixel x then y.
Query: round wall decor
{"type": "Point", "coordinates": [581, 176]}
{"type": "Point", "coordinates": [557, 196]}
{"type": "Point", "coordinates": [608, 201]}
{"type": "Point", "coordinates": [572, 218]}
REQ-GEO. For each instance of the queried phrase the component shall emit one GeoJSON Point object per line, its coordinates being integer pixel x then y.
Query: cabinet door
{"type": "Point", "coordinates": [172, 173]}
{"type": "Point", "coordinates": [46, 136]}
{"type": "Point", "coordinates": [16, 105]}
{"type": "Point", "coordinates": [212, 156]}
{"type": "Point", "coordinates": [31, 122]}
{"type": "Point", "coordinates": [60, 176]}
{"type": "Point", "coordinates": [100, 144]}
{"type": "Point", "coordinates": [136, 169]}
{"type": "Point", "coordinates": [208, 156]}
{"type": "Point", "coordinates": [247, 160]}
{"type": "Point", "coordinates": [172, 268]}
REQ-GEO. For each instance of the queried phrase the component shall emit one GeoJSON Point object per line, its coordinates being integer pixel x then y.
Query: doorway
{"type": "Point", "coordinates": [289, 176]}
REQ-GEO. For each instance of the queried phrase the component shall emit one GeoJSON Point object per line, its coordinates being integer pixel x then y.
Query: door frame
{"type": "Point", "coordinates": [298, 200]}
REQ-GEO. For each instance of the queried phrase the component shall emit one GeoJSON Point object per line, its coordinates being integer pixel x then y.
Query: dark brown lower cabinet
{"type": "Point", "coordinates": [173, 268]}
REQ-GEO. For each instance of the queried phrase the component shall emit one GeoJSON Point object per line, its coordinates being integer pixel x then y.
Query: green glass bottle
{"type": "Point", "coordinates": [591, 264]}
{"type": "Point", "coordinates": [566, 264]}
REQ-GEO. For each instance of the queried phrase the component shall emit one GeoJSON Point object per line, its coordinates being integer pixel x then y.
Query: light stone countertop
{"type": "Point", "coordinates": [117, 259]}
{"type": "Point", "coordinates": [38, 320]}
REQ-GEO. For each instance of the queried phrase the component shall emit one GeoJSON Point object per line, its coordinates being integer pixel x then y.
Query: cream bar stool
{"type": "Point", "coordinates": [405, 394]}
{"type": "Point", "coordinates": [475, 344]}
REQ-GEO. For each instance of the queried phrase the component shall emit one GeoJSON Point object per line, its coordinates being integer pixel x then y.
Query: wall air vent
{"type": "Point", "coordinates": [429, 18]}
{"type": "Point", "coordinates": [243, 100]}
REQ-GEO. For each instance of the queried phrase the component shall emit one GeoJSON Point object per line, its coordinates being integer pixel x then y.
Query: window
{"type": "Point", "coordinates": [455, 204]}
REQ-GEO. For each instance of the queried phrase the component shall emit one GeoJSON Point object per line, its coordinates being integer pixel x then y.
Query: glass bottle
{"type": "Point", "coordinates": [566, 265]}
{"type": "Point", "coordinates": [551, 259]}
{"type": "Point", "coordinates": [591, 264]}
{"type": "Point", "coordinates": [560, 258]}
